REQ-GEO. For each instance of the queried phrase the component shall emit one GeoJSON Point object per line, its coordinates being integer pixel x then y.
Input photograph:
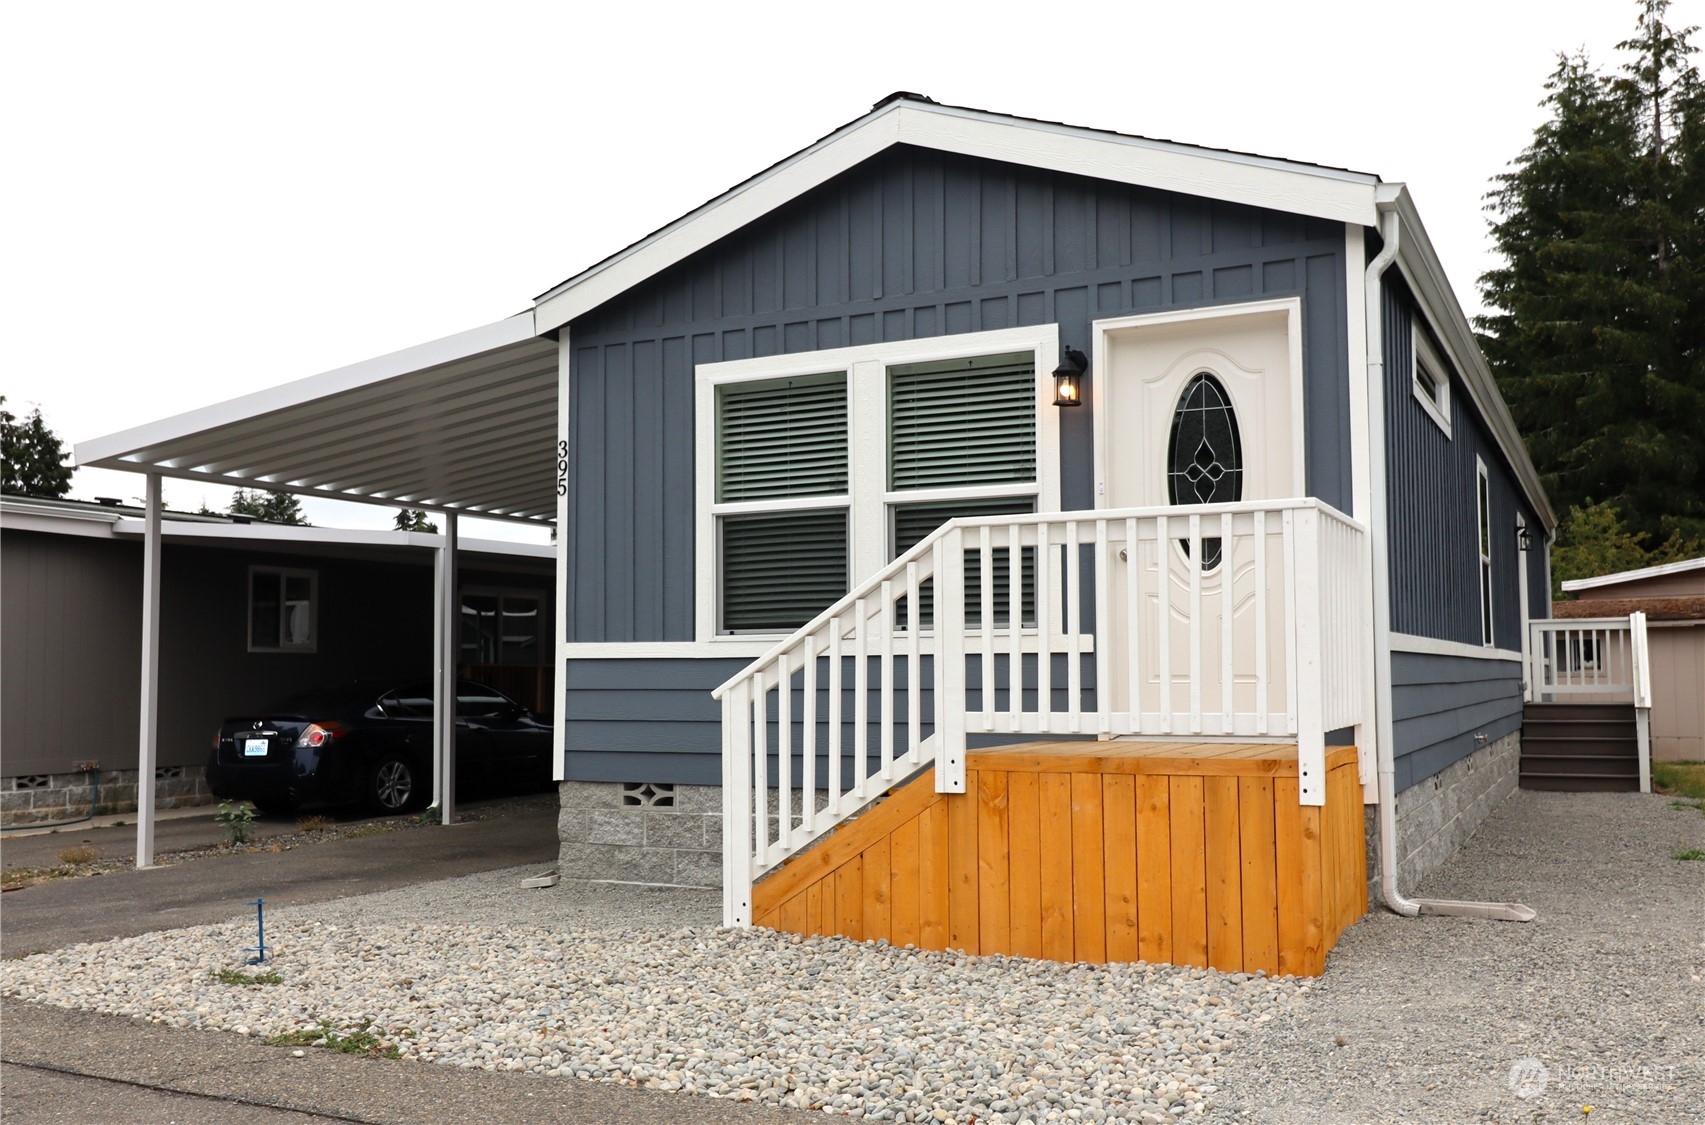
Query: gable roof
{"type": "Point", "coordinates": [1297, 187]}
{"type": "Point", "coordinates": [1335, 194]}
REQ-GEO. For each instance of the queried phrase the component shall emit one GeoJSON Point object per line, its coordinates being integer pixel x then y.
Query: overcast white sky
{"type": "Point", "coordinates": [207, 199]}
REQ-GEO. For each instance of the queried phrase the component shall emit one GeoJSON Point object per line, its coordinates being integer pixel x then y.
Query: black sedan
{"type": "Point", "coordinates": [371, 742]}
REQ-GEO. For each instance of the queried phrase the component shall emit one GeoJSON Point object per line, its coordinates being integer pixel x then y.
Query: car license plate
{"type": "Point", "coordinates": [254, 747]}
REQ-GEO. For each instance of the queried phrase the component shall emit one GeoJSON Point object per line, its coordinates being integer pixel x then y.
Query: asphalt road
{"type": "Point", "coordinates": [77, 1067]}
{"type": "Point", "coordinates": [211, 889]}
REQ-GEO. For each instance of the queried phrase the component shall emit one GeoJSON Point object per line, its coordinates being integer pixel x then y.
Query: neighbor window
{"type": "Point", "coordinates": [1431, 383]}
{"type": "Point", "coordinates": [814, 480]}
{"type": "Point", "coordinates": [1483, 502]}
{"type": "Point", "coordinates": [501, 627]}
{"type": "Point", "coordinates": [283, 609]}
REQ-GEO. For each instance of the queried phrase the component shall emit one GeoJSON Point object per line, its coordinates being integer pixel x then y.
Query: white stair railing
{"type": "Point", "coordinates": [1596, 657]}
{"type": "Point", "coordinates": [1096, 623]}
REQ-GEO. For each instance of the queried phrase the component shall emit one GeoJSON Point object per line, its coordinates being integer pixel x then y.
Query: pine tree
{"type": "Point", "coordinates": [413, 519]}
{"type": "Point", "coordinates": [1597, 334]}
{"type": "Point", "coordinates": [32, 458]}
{"type": "Point", "coordinates": [273, 506]}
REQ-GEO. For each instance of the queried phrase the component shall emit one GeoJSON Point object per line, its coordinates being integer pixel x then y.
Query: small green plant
{"type": "Point", "coordinates": [80, 854]}
{"type": "Point", "coordinates": [369, 829]}
{"type": "Point", "coordinates": [238, 976]}
{"type": "Point", "coordinates": [360, 1041]}
{"type": "Point", "coordinates": [428, 815]}
{"type": "Point", "coordinates": [312, 824]}
{"type": "Point", "coordinates": [235, 819]}
{"type": "Point", "coordinates": [1688, 854]}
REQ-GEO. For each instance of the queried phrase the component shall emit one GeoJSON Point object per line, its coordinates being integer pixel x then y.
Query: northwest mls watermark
{"type": "Point", "coordinates": [1529, 1078]}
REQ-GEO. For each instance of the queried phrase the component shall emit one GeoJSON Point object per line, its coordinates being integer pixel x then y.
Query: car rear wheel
{"type": "Point", "coordinates": [393, 786]}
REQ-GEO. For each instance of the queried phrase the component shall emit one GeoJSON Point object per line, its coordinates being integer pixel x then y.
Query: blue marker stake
{"type": "Point", "coordinates": [260, 927]}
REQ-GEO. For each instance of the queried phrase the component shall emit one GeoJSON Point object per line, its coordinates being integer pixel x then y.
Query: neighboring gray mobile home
{"type": "Point", "coordinates": [255, 613]}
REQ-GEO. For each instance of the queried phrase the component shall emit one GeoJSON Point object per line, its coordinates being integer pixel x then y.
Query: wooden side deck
{"type": "Point", "coordinates": [1188, 853]}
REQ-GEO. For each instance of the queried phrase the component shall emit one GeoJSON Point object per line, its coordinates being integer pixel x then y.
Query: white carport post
{"type": "Point", "coordinates": [149, 727]}
{"type": "Point", "coordinates": [447, 622]}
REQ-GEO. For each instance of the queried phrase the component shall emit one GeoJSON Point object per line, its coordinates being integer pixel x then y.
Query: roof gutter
{"type": "Point", "coordinates": [1391, 233]}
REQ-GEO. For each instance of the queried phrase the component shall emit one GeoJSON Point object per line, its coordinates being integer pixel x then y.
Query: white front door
{"type": "Point", "coordinates": [1200, 407]}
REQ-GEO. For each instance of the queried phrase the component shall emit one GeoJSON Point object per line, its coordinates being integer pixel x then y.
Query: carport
{"type": "Point", "coordinates": [468, 424]}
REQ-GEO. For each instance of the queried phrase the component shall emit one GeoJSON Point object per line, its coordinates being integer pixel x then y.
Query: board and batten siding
{"type": "Point", "coordinates": [1439, 703]}
{"type": "Point", "coordinates": [911, 244]}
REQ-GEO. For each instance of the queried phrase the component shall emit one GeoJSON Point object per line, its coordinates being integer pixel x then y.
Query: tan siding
{"type": "Point", "coordinates": [1678, 692]}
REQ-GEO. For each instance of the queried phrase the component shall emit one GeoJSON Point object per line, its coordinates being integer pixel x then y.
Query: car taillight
{"type": "Point", "coordinates": [216, 740]}
{"type": "Point", "coordinates": [318, 734]}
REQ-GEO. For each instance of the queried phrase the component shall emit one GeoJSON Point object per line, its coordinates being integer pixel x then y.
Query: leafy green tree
{"type": "Point", "coordinates": [272, 506]}
{"type": "Point", "coordinates": [413, 519]}
{"type": "Point", "coordinates": [1595, 541]}
{"type": "Point", "coordinates": [1597, 325]}
{"type": "Point", "coordinates": [32, 458]}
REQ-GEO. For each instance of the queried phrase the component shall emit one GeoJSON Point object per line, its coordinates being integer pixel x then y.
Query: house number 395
{"type": "Point", "coordinates": [562, 468]}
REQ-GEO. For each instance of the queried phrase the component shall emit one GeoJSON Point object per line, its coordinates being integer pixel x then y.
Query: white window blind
{"type": "Point", "coordinates": [962, 422]}
{"type": "Point", "coordinates": [779, 440]}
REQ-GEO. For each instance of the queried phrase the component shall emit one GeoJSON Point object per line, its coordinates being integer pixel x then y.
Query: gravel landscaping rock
{"type": "Point", "coordinates": [601, 982]}
{"type": "Point", "coordinates": [1598, 1002]}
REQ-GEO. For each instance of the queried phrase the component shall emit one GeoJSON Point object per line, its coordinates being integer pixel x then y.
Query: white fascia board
{"type": "Point", "coordinates": [1339, 196]}
{"type": "Point", "coordinates": [1622, 576]}
{"type": "Point", "coordinates": [115, 451]}
{"type": "Point", "coordinates": [332, 536]}
{"type": "Point", "coordinates": [1425, 274]}
{"type": "Point", "coordinates": [722, 216]}
{"type": "Point", "coordinates": [58, 522]}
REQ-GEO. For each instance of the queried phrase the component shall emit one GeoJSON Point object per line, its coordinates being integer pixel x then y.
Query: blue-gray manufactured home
{"type": "Point", "coordinates": [971, 452]}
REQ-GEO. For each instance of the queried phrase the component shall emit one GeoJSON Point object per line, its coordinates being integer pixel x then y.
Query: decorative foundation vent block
{"type": "Point", "coordinates": [648, 795]}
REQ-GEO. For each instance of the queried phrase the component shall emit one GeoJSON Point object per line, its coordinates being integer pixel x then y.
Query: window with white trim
{"type": "Point", "coordinates": [1483, 504]}
{"type": "Point", "coordinates": [815, 470]}
{"type": "Point", "coordinates": [283, 609]}
{"type": "Point", "coordinates": [1431, 381]}
{"type": "Point", "coordinates": [782, 500]}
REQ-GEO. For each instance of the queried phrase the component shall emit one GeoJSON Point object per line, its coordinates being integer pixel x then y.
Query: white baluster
{"type": "Point", "coordinates": [1074, 628]}
{"type": "Point", "coordinates": [808, 742]}
{"type": "Point", "coordinates": [1103, 630]}
{"type": "Point", "coordinates": [887, 710]}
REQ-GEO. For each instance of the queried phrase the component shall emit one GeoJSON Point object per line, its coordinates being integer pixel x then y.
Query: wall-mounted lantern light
{"type": "Point", "coordinates": [1524, 537]}
{"type": "Point", "coordinates": [1068, 388]}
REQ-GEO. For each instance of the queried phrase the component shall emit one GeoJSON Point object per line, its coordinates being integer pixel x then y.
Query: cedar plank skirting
{"type": "Point", "coordinates": [1188, 853]}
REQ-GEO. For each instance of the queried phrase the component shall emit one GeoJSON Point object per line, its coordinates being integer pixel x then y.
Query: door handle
{"type": "Point", "coordinates": [1123, 557]}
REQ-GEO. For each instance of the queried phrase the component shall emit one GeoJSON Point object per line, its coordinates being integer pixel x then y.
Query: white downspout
{"type": "Point", "coordinates": [1390, 231]}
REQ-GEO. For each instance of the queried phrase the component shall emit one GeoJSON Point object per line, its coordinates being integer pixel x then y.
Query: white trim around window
{"type": "Point", "coordinates": [1483, 547]}
{"type": "Point", "coordinates": [1429, 378]}
{"type": "Point", "coordinates": [868, 497]}
{"type": "Point", "coordinates": [293, 611]}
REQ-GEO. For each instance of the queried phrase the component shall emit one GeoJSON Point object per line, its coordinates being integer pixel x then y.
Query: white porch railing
{"type": "Point", "coordinates": [1595, 657]}
{"type": "Point", "coordinates": [1091, 623]}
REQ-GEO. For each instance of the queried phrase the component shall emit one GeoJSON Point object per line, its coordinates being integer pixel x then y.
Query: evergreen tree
{"type": "Point", "coordinates": [1597, 334]}
{"type": "Point", "coordinates": [273, 507]}
{"type": "Point", "coordinates": [413, 519]}
{"type": "Point", "coordinates": [32, 458]}
{"type": "Point", "coordinates": [1594, 541]}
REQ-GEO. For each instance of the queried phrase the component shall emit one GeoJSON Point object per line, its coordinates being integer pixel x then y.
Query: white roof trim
{"type": "Point", "coordinates": [109, 451]}
{"type": "Point", "coordinates": [1622, 576]}
{"type": "Point", "coordinates": [1420, 266]}
{"type": "Point", "coordinates": [1258, 181]}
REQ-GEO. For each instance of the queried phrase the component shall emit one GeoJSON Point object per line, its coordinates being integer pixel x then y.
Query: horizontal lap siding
{"type": "Point", "coordinates": [911, 244]}
{"type": "Point", "coordinates": [1439, 704]}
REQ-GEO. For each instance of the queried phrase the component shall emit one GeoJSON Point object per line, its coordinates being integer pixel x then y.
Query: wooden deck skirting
{"type": "Point", "coordinates": [1187, 853]}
